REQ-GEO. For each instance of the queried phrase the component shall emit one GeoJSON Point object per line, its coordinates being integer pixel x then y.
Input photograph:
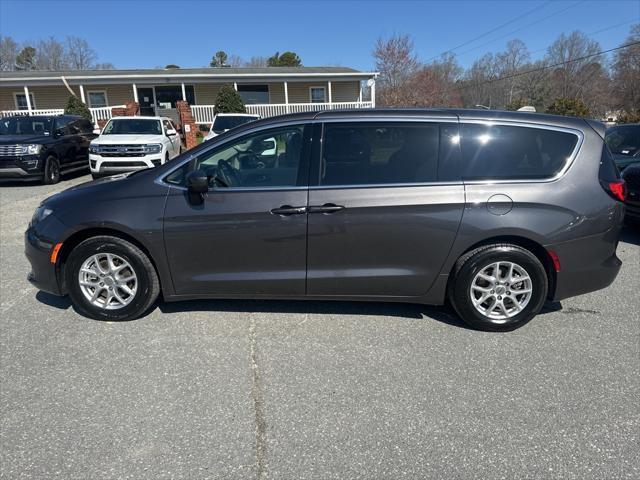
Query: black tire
{"type": "Point", "coordinates": [96, 176]}
{"type": "Point", "coordinates": [472, 263]}
{"type": "Point", "coordinates": [51, 171]}
{"type": "Point", "coordinates": [148, 286]}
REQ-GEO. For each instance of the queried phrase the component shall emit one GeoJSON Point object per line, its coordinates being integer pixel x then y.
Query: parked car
{"type": "Point", "coordinates": [133, 143]}
{"type": "Point", "coordinates": [495, 211]}
{"type": "Point", "coordinates": [624, 143]}
{"type": "Point", "coordinates": [43, 147]}
{"type": "Point", "coordinates": [631, 176]}
{"type": "Point", "coordinates": [223, 122]}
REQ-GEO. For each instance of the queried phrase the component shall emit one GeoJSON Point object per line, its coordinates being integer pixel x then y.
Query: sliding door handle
{"type": "Point", "coordinates": [286, 210]}
{"type": "Point", "coordinates": [326, 208]}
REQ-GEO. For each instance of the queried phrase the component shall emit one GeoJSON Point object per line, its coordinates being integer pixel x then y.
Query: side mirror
{"type": "Point", "coordinates": [197, 182]}
{"type": "Point", "coordinates": [171, 132]}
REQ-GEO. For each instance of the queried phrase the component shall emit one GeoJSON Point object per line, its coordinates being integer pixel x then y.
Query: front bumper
{"type": "Point", "coordinates": [26, 167]}
{"type": "Point", "coordinates": [44, 274]}
{"type": "Point", "coordinates": [632, 204]}
{"type": "Point", "coordinates": [111, 165]}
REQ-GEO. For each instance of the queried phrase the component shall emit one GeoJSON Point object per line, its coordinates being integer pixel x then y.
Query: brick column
{"type": "Point", "coordinates": [187, 122]}
{"type": "Point", "coordinates": [131, 109]}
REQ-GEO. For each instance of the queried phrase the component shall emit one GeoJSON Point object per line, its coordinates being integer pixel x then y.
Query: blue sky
{"type": "Point", "coordinates": [146, 34]}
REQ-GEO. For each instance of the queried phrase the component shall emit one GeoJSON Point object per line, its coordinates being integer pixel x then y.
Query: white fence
{"type": "Point", "coordinates": [205, 113]}
{"type": "Point", "coordinates": [102, 113]}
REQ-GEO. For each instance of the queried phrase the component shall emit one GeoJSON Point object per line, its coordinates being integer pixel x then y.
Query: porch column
{"type": "Point", "coordinates": [373, 93]}
{"type": "Point", "coordinates": [360, 94]}
{"type": "Point", "coordinates": [82, 94]}
{"type": "Point", "coordinates": [286, 95]}
{"type": "Point", "coordinates": [235, 86]}
{"type": "Point", "coordinates": [135, 93]}
{"type": "Point", "coordinates": [184, 93]}
{"type": "Point", "coordinates": [26, 93]}
{"type": "Point", "coordinates": [329, 85]}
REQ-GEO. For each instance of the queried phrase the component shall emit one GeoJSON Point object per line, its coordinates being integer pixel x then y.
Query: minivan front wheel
{"type": "Point", "coordinates": [498, 287]}
{"type": "Point", "coordinates": [109, 278]}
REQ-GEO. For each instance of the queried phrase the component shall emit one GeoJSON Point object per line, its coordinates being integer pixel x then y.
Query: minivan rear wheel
{"type": "Point", "coordinates": [498, 287]}
{"type": "Point", "coordinates": [109, 278]}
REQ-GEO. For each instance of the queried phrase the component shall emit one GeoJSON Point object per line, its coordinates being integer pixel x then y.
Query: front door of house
{"type": "Point", "coordinates": [147, 101]}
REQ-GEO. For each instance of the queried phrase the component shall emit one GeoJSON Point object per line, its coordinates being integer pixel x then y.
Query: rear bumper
{"type": "Point", "coordinates": [587, 264]}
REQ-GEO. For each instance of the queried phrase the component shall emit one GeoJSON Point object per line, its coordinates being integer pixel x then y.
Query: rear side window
{"type": "Point", "coordinates": [367, 153]}
{"type": "Point", "coordinates": [502, 152]}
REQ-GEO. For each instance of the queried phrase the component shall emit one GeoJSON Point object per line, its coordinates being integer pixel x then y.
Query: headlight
{"type": "Point", "coordinates": [153, 148]}
{"type": "Point", "coordinates": [29, 149]}
{"type": "Point", "coordinates": [40, 214]}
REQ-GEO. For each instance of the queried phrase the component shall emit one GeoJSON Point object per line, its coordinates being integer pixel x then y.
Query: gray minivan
{"type": "Point", "coordinates": [496, 212]}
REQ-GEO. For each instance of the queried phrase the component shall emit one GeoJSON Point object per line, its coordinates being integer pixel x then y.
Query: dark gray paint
{"type": "Point", "coordinates": [396, 243]}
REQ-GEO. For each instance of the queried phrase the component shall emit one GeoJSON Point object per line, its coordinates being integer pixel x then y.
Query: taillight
{"type": "Point", "coordinates": [617, 189]}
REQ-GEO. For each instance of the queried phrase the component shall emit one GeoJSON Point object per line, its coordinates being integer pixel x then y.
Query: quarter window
{"type": "Point", "coordinates": [97, 99]}
{"type": "Point", "coordinates": [501, 152]}
{"type": "Point", "coordinates": [359, 154]}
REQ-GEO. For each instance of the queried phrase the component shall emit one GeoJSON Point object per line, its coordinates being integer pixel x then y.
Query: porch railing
{"type": "Point", "coordinates": [100, 113]}
{"type": "Point", "coordinates": [205, 113]}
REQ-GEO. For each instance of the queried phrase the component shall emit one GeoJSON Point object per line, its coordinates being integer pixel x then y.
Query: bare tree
{"type": "Point", "coordinates": [105, 66]}
{"type": "Point", "coordinates": [508, 63]}
{"type": "Point", "coordinates": [396, 62]}
{"type": "Point", "coordinates": [79, 53]}
{"type": "Point", "coordinates": [256, 62]}
{"type": "Point", "coordinates": [51, 55]}
{"type": "Point", "coordinates": [8, 53]}
{"type": "Point", "coordinates": [626, 72]}
{"type": "Point", "coordinates": [235, 61]}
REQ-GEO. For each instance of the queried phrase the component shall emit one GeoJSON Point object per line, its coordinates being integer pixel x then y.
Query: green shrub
{"type": "Point", "coordinates": [571, 107]}
{"type": "Point", "coordinates": [228, 101]}
{"type": "Point", "coordinates": [631, 116]}
{"type": "Point", "coordinates": [76, 107]}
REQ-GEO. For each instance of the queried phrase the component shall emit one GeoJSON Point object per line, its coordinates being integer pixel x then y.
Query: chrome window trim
{"type": "Point", "coordinates": [540, 126]}
{"type": "Point", "coordinates": [387, 185]}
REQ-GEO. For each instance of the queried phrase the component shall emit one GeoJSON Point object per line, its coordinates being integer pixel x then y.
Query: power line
{"type": "Point", "coordinates": [524, 27]}
{"type": "Point", "coordinates": [528, 12]}
{"type": "Point", "coordinates": [546, 67]}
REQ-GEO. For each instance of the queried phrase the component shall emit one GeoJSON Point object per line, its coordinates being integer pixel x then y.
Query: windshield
{"type": "Point", "coordinates": [133, 126]}
{"type": "Point", "coordinates": [624, 140]}
{"type": "Point", "coordinates": [25, 126]}
{"type": "Point", "coordinates": [228, 122]}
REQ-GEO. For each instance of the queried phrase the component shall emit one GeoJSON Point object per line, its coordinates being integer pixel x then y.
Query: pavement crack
{"type": "Point", "coordinates": [258, 405]}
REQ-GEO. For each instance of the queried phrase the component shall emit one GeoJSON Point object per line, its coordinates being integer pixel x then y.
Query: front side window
{"type": "Point", "coordinates": [269, 158]}
{"type": "Point", "coordinates": [363, 153]}
{"type": "Point", "coordinates": [502, 152]}
{"type": "Point", "coordinates": [97, 99]}
{"type": "Point", "coordinates": [317, 95]}
{"type": "Point", "coordinates": [222, 123]}
{"type": "Point", "coordinates": [21, 101]}
{"type": "Point", "coordinates": [131, 126]}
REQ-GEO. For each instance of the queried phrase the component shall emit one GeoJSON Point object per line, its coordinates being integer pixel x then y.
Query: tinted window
{"type": "Point", "coordinates": [133, 127]}
{"type": "Point", "coordinates": [502, 152]}
{"type": "Point", "coordinates": [85, 126]}
{"type": "Point", "coordinates": [227, 122]}
{"type": "Point", "coordinates": [270, 158]}
{"type": "Point", "coordinates": [365, 153]}
{"type": "Point", "coordinates": [62, 123]}
{"type": "Point", "coordinates": [25, 126]}
{"type": "Point", "coordinates": [624, 140]}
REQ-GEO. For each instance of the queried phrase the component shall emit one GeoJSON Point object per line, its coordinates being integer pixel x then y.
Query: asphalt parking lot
{"type": "Point", "coordinates": [297, 390]}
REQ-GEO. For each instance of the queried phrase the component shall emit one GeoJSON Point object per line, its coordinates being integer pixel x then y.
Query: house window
{"type": "Point", "coordinates": [317, 95]}
{"type": "Point", "coordinates": [97, 98]}
{"type": "Point", "coordinates": [254, 94]}
{"type": "Point", "coordinates": [21, 101]}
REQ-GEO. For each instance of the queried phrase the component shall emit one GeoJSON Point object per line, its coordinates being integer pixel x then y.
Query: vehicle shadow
{"type": "Point", "coordinates": [25, 183]}
{"type": "Point", "coordinates": [631, 234]}
{"type": "Point", "coordinates": [411, 311]}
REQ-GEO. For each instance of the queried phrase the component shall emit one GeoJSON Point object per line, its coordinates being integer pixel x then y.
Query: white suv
{"type": "Point", "coordinates": [133, 143]}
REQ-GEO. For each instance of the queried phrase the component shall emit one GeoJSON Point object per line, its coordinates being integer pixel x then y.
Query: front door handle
{"type": "Point", "coordinates": [326, 208]}
{"type": "Point", "coordinates": [286, 210]}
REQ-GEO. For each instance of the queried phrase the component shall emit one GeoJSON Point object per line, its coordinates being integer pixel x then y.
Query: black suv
{"type": "Point", "coordinates": [43, 147]}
